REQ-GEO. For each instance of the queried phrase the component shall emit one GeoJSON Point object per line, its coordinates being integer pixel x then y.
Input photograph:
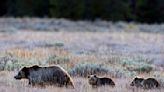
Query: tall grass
{"type": "Point", "coordinates": [82, 53]}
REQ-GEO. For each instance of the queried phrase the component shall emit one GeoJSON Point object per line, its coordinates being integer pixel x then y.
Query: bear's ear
{"type": "Point", "coordinates": [135, 78]}
{"type": "Point", "coordinates": [24, 68]}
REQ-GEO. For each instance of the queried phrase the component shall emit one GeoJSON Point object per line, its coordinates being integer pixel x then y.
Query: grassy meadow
{"type": "Point", "coordinates": [118, 55]}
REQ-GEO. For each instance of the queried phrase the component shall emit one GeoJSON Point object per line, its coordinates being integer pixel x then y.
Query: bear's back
{"type": "Point", "coordinates": [47, 74]}
{"type": "Point", "coordinates": [107, 81]}
{"type": "Point", "coordinates": [150, 83]}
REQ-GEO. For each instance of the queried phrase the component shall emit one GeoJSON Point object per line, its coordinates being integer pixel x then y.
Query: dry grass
{"type": "Point", "coordinates": [8, 84]}
{"type": "Point", "coordinates": [104, 48]}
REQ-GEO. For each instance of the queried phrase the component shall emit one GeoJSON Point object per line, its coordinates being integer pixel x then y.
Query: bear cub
{"type": "Point", "coordinates": [148, 83]}
{"type": "Point", "coordinates": [95, 81]}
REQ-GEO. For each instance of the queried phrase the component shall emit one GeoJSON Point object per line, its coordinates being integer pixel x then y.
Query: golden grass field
{"type": "Point", "coordinates": [9, 84]}
{"type": "Point", "coordinates": [106, 48]}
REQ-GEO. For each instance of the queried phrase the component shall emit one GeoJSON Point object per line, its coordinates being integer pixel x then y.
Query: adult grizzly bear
{"type": "Point", "coordinates": [145, 83]}
{"type": "Point", "coordinates": [95, 81]}
{"type": "Point", "coordinates": [52, 75]}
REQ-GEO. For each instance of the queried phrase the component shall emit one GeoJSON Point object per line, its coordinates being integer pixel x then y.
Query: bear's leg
{"type": "Point", "coordinates": [32, 83]}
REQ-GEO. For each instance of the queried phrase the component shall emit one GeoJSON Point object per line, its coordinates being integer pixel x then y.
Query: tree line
{"type": "Point", "coordinates": [150, 11]}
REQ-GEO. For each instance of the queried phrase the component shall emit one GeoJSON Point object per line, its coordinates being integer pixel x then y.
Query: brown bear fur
{"type": "Point", "coordinates": [137, 82]}
{"type": "Point", "coordinates": [95, 81]}
{"type": "Point", "coordinates": [145, 83]}
{"type": "Point", "coordinates": [52, 75]}
{"type": "Point", "coordinates": [150, 83]}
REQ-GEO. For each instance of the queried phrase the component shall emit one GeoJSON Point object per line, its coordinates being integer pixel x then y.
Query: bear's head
{"type": "Point", "coordinates": [93, 79]}
{"type": "Point", "coordinates": [137, 82]}
{"type": "Point", "coordinates": [24, 72]}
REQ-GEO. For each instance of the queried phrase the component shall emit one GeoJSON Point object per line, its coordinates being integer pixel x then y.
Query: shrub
{"type": "Point", "coordinates": [144, 68]}
{"type": "Point", "coordinates": [59, 44]}
{"type": "Point", "coordinates": [159, 75]}
{"type": "Point", "coordinates": [10, 62]}
{"type": "Point", "coordinates": [138, 65]}
{"type": "Point", "coordinates": [47, 44]}
{"type": "Point", "coordinates": [86, 69]}
{"type": "Point", "coordinates": [57, 60]}
{"type": "Point", "coordinates": [7, 61]}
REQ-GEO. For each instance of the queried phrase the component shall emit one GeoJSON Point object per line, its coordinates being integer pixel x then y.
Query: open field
{"type": "Point", "coordinates": [121, 55]}
{"type": "Point", "coordinates": [8, 84]}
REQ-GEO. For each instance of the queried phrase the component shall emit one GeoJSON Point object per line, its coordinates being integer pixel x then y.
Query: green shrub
{"type": "Point", "coordinates": [159, 75]}
{"type": "Point", "coordinates": [59, 44]}
{"type": "Point", "coordinates": [10, 63]}
{"type": "Point", "coordinates": [51, 44]}
{"type": "Point", "coordinates": [7, 62]}
{"type": "Point", "coordinates": [58, 60]}
{"type": "Point", "coordinates": [144, 68]}
{"type": "Point", "coordinates": [138, 65]}
{"type": "Point", "coordinates": [86, 69]}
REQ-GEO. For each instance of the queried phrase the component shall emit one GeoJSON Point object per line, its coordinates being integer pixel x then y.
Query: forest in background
{"type": "Point", "coordinates": [119, 39]}
{"type": "Point", "coordinates": [145, 11]}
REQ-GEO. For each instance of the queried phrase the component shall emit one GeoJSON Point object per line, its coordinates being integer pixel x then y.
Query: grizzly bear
{"type": "Point", "coordinates": [52, 75]}
{"type": "Point", "coordinates": [137, 82]}
{"type": "Point", "coordinates": [145, 83]}
{"type": "Point", "coordinates": [95, 81]}
{"type": "Point", "coordinates": [150, 83]}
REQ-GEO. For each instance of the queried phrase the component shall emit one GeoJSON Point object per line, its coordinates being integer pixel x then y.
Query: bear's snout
{"type": "Point", "coordinates": [17, 77]}
{"type": "Point", "coordinates": [131, 84]}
